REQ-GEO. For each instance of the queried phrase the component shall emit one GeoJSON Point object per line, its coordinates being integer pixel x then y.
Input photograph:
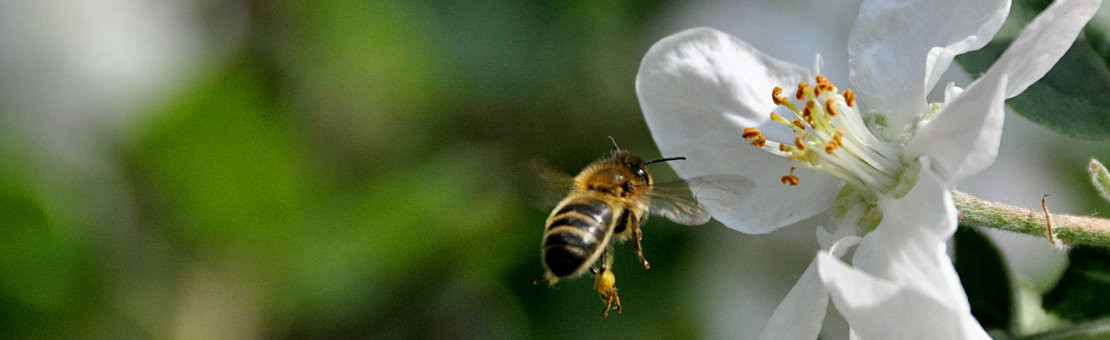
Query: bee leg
{"type": "Point", "coordinates": [551, 279]}
{"type": "Point", "coordinates": [606, 284]}
{"type": "Point", "coordinates": [637, 235]}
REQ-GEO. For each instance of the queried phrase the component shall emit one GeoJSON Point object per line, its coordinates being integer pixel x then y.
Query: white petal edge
{"type": "Point", "coordinates": [801, 313]}
{"type": "Point", "coordinates": [964, 136]}
{"type": "Point", "coordinates": [877, 309]}
{"type": "Point", "coordinates": [698, 89]}
{"type": "Point", "coordinates": [909, 245]}
{"type": "Point", "coordinates": [898, 49]}
{"type": "Point", "coordinates": [903, 272]}
{"type": "Point", "coordinates": [1041, 44]}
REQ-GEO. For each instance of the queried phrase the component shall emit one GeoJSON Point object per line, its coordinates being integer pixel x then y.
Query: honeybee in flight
{"type": "Point", "coordinates": [609, 200]}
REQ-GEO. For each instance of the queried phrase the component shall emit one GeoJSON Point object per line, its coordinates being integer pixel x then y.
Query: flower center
{"type": "Point", "coordinates": [830, 136]}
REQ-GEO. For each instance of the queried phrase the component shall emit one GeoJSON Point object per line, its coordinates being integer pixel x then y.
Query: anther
{"type": "Point", "coordinates": [801, 94]}
{"type": "Point", "coordinates": [759, 141]}
{"type": "Point", "coordinates": [799, 143]}
{"type": "Point", "coordinates": [799, 124]}
{"type": "Point", "coordinates": [790, 178]}
{"type": "Point", "coordinates": [831, 146]}
{"type": "Point", "coordinates": [750, 132]}
{"type": "Point", "coordinates": [776, 96]}
{"type": "Point", "coordinates": [850, 97]}
{"type": "Point", "coordinates": [829, 107]}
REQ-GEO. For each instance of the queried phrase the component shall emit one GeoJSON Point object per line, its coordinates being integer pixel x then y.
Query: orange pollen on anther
{"type": "Point", "coordinates": [829, 107]}
{"type": "Point", "coordinates": [783, 147]}
{"type": "Point", "coordinates": [801, 94]}
{"type": "Point", "coordinates": [850, 97]}
{"type": "Point", "coordinates": [831, 146]}
{"type": "Point", "coordinates": [799, 124]}
{"type": "Point", "coordinates": [790, 178]}
{"type": "Point", "coordinates": [801, 145]}
{"type": "Point", "coordinates": [759, 141]}
{"type": "Point", "coordinates": [776, 96]}
{"type": "Point", "coordinates": [750, 132]}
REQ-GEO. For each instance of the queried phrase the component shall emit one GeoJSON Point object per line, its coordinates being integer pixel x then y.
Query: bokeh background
{"type": "Point", "coordinates": [210, 169]}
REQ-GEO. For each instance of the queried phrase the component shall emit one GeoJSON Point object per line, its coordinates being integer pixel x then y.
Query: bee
{"type": "Point", "coordinates": [608, 201]}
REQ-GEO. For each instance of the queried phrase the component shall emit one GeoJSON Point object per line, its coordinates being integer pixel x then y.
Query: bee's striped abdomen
{"type": "Point", "coordinates": [577, 231]}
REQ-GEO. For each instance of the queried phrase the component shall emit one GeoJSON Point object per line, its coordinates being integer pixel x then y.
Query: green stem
{"type": "Point", "coordinates": [1069, 229]}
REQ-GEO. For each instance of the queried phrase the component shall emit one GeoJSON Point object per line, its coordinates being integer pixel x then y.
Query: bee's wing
{"type": "Point", "coordinates": [552, 184]}
{"type": "Point", "coordinates": [691, 201]}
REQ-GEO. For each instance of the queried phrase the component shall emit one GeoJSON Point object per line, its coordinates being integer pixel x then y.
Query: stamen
{"type": "Point", "coordinates": [776, 96]}
{"type": "Point", "coordinates": [750, 132]}
{"type": "Point", "coordinates": [849, 97]}
{"type": "Point", "coordinates": [755, 135]}
{"type": "Point", "coordinates": [799, 143]}
{"type": "Point", "coordinates": [829, 107]}
{"type": "Point", "coordinates": [831, 146]}
{"type": "Point", "coordinates": [759, 141]}
{"type": "Point", "coordinates": [829, 119]}
{"type": "Point", "coordinates": [790, 178]}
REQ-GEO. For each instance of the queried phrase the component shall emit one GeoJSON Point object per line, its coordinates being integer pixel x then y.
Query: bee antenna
{"type": "Point", "coordinates": [614, 141]}
{"type": "Point", "coordinates": [668, 159]}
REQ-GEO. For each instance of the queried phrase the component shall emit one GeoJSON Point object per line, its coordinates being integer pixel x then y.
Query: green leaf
{"type": "Point", "coordinates": [1071, 99]}
{"type": "Point", "coordinates": [1081, 292]}
{"type": "Point", "coordinates": [985, 279]}
{"type": "Point", "coordinates": [1094, 329]}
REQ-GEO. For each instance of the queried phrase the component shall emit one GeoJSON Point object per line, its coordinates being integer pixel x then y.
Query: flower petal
{"type": "Point", "coordinates": [908, 246]}
{"type": "Point", "coordinates": [1041, 44]}
{"type": "Point", "coordinates": [698, 89]}
{"type": "Point", "coordinates": [898, 49]}
{"type": "Point", "coordinates": [964, 136]}
{"type": "Point", "coordinates": [878, 309]}
{"type": "Point", "coordinates": [801, 313]}
{"type": "Point", "coordinates": [904, 283]}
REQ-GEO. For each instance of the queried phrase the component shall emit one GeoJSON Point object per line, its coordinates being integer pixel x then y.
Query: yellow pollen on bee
{"type": "Point", "coordinates": [790, 179]}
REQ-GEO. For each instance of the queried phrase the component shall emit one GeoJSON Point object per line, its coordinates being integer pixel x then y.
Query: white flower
{"type": "Point", "coordinates": [704, 92]}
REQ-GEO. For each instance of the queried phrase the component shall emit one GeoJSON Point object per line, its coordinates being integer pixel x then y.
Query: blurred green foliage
{"type": "Point", "coordinates": [356, 169]}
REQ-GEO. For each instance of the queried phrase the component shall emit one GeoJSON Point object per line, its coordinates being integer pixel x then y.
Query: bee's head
{"type": "Point", "coordinates": [636, 167]}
